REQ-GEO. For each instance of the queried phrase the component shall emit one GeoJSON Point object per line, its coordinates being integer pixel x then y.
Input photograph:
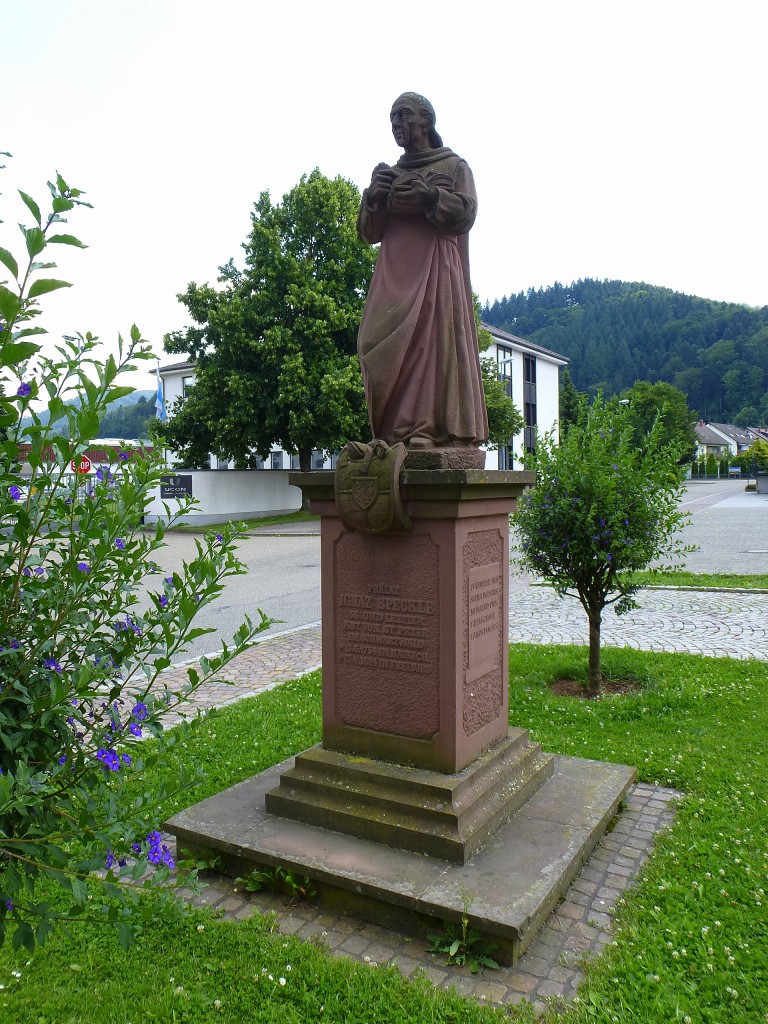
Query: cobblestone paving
{"type": "Point", "coordinates": [731, 624]}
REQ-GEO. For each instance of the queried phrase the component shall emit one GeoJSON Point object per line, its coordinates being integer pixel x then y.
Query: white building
{"type": "Point", "coordinates": [531, 375]}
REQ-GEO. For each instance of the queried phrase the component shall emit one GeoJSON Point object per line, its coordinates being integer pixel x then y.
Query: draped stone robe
{"type": "Point", "coordinates": [417, 341]}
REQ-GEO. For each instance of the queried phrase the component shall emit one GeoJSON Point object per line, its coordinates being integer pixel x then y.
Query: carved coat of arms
{"type": "Point", "coordinates": [367, 486]}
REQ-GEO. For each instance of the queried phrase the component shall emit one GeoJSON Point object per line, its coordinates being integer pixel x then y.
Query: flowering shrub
{"type": "Point", "coordinates": [602, 508]}
{"type": "Point", "coordinates": [80, 652]}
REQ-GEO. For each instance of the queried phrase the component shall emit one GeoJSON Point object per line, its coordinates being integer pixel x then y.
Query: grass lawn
{"type": "Point", "coordinates": [692, 938]}
{"type": "Point", "coordinates": [719, 581]}
{"type": "Point", "coordinates": [253, 524]}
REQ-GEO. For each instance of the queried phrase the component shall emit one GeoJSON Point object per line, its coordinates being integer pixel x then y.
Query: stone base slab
{"type": "Point", "coordinates": [446, 816]}
{"type": "Point", "coordinates": [511, 885]}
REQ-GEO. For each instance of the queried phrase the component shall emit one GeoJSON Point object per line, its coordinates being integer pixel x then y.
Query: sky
{"type": "Point", "coordinates": [607, 139]}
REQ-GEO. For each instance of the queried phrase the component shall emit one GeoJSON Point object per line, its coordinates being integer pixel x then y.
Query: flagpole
{"type": "Point", "coordinates": [160, 410]}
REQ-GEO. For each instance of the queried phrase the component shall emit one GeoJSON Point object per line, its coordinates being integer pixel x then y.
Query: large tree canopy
{"type": "Point", "coordinates": [275, 347]}
{"type": "Point", "coordinates": [646, 402]}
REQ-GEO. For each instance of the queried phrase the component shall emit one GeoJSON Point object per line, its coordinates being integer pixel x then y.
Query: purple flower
{"type": "Point", "coordinates": [123, 456]}
{"type": "Point", "coordinates": [15, 492]}
{"type": "Point", "coordinates": [163, 600]}
{"type": "Point", "coordinates": [120, 543]}
{"type": "Point", "coordinates": [111, 859]}
{"type": "Point", "coordinates": [63, 759]}
{"type": "Point", "coordinates": [108, 758]}
{"type": "Point", "coordinates": [140, 712]}
{"type": "Point", "coordinates": [135, 729]}
{"type": "Point", "coordinates": [83, 567]}
{"type": "Point", "coordinates": [53, 664]}
{"type": "Point", "coordinates": [219, 538]}
{"type": "Point", "coordinates": [23, 390]}
{"type": "Point", "coordinates": [126, 758]}
{"type": "Point", "coordinates": [8, 905]}
{"type": "Point", "coordinates": [39, 570]}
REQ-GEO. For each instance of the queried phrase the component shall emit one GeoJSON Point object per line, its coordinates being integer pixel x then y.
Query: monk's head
{"type": "Point", "coordinates": [413, 123]}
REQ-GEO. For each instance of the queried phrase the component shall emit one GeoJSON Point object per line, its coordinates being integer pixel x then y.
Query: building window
{"type": "Point", "coordinates": [295, 462]}
{"type": "Point", "coordinates": [187, 383]}
{"type": "Point", "coordinates": [318, 460]}
{"type": "Point", "coordinates": [529, 402]}
{"type": "Point", "coordinates": [276, 460]}
{"type": "Point", "coordinates": [504, 362]}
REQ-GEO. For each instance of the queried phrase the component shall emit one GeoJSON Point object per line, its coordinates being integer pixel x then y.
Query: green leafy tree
{"type": "Point", "coordinates": [602, 509]}
{"type": "Point", "coordinates": [569, 401]}
{"type": "Point", "coordinates": [504, 418]}
{"type": "Point", "coordinates": [755, 459]}
{"type": "Point", "coordinates": [646, 403]}
{"type": "Point", "coordinates": [747, 416]}
{"type": "Point", "coordinates": [275, 348]}
{"type": "Point", "coordinates": [82, 647]}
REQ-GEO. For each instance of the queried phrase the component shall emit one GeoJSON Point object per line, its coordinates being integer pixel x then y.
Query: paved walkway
{"type": "Point", "coordinates": [716, 623]}
{"type": "Point", "coordinates": [723, 623]}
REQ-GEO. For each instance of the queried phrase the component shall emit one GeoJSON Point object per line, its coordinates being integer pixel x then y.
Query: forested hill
{"type": "Point", "coordinates": [615, 333]}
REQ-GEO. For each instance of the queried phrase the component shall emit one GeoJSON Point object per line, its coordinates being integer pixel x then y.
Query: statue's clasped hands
{"type": "Point", "coordinates": [403, 193]}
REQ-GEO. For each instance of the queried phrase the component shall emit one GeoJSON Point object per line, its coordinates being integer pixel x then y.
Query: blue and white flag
{"type": "Point", "coordinates": [160, 410]}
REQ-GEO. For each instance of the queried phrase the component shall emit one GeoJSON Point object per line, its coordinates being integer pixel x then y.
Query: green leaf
{"type": "Point", "coordinates": [31, 205]}
{"type": "Point", "coordinates": [28, 332]}
{"type": "Point", "coordinates": [61, 205]}
{"type": "Point", "coordinates": [24, 936]}
{"type": "Point", "coordinates": [67, 240]}
{"type": "Point", "coordinates": [17, 353]}
{"type": "Point", "coordinates": [46, 284]}
{"type": "Point", "coordinates": [9, 304]}
{"type": "Point", "coordinates": [35, 241]}
{"type": "Point", "coordinates": [7, 259]}
{"type": "Point", "coordinates": [454, 947]}
{"type": "Point", "coordinates": [125, 935]}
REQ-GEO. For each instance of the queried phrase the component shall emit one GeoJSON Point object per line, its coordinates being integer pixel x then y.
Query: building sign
{"type": "Point", "coordinates": [175, 486]}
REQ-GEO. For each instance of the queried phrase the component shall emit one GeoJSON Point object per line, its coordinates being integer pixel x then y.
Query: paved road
{"type": "Point", "coordinates": [283, 579]}
{"type": "Point", "coordinates": [729, 525]}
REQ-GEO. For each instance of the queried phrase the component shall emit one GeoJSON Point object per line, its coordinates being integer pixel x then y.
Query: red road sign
{"type": "Point", "coordinates": [81, 465]}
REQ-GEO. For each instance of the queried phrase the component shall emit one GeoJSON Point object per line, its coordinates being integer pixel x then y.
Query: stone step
{"type": "Point", "coordinates": [415, 809]}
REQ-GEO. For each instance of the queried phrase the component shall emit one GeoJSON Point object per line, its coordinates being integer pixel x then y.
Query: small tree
{"type": "Point", "coordinates": [80, 651]}
{"type": "Point", "coordinates": [601, 510]}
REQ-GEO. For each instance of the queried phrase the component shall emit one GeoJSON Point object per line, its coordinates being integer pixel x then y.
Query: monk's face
{"type": "Point", "coordinates": [410, 126]}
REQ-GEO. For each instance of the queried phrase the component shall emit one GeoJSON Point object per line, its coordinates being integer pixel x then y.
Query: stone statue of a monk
{"type": "Point", "coordinates": [417, 341]}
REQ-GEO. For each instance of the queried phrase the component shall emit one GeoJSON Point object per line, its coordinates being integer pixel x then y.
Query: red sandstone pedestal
{"type": "Point", "coordinates": [417, 752]}
{"type": "Point", "coordinates": [415, 663]}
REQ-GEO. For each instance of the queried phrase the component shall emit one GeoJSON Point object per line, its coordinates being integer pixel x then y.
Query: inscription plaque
{"type": "Point", "coordinates": [484, 619]}
{"type": "Point", "coordinates": [387, 636]}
